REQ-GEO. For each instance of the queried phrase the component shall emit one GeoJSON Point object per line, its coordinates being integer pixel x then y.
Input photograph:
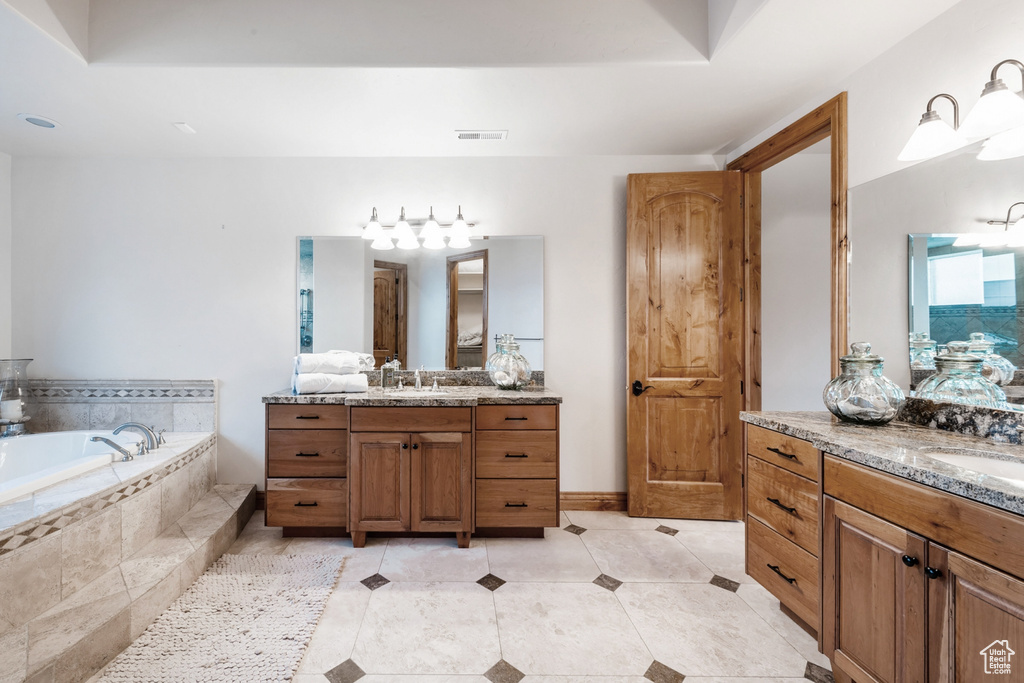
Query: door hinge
{"type": "Point", "coordinates": [741, 387]}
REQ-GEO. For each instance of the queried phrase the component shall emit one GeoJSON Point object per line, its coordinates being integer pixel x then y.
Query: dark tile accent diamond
{"type": "Point", "coordinates": [818, 674]}
{"type": "Point", "coordinates": [605, 581]}
{"type": "Point", "coordinates": [374, 582]}
{"type": "Point", "coordinates": [727, 584]}
{"type": "Point", "coordinates": [573, 529]}
{"type": "Point", "coordinates": [346, 672]}
{"type": "Point", "coordinates": [491, 582]}
{"type": "Point", "coordinates": [667, 530]}
{"type": "Point", "coordinates": [659, 673]}
{"type": "Point", "coordinates": [503, 672]}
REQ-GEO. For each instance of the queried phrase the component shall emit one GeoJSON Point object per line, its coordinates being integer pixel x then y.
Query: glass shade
{"type": "Point", "coordinates": [931, 138]}
{"type": "Point", "coordinates": [373, 230]}
{"type": "Point", "coordinates": [382, 243]}
{"type": "Point", "coordinates": [434, 241]}
{"type": "Point", "coordinates": [1007, 145]}
{"type": "Point", "coordinates": [997, 111]}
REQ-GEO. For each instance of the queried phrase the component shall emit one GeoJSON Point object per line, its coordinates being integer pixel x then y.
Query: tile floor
{"type": "Point", "coordinates": [604, 598]}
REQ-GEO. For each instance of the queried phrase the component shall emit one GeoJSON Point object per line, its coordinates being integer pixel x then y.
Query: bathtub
{"type": "Point", "coordinates": [33, 461]}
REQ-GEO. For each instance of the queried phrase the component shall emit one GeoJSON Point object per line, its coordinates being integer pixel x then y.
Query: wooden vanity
{"type": "Point", "coordinates": [370, 463]}
{"type": "Point", "coordinates": [903, 581]}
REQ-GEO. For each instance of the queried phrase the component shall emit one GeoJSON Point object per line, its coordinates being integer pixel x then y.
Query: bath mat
{"type": "Point", "coordinates": [247, 618]}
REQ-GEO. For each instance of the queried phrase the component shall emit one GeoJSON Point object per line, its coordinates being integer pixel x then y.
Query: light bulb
{"type": "Point", "coordinates": [998, 110]}
{"type": "Point", "coordinates": [931, 138]}
{"type": "Point", "coordinates": [373, 230]}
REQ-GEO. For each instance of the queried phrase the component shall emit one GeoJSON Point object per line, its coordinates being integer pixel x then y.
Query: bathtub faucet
{"type": "Point", "coordinates": [125, 455]}
{"type": "Point", "coordinates": [151, 440]}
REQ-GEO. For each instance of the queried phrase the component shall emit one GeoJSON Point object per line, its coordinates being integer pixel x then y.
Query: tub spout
{"type": "Point", "coordinates": [125, 455]}
{"type": "Point", "coordinates": [151, 440]}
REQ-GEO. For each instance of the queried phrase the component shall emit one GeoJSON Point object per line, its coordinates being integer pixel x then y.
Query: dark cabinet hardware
{"type": "Point", "coordinates": [775, 568]}
{"type": "Point", "coordinates": [515, 505]}
{"type": "Point", "coordinates": [776, 451]}
{"type": "Point", "coordinates": [307, 455]}
{"type": "Point", "coordinates": [776, 503]}
{"type": "Point", "coordinates": [639, 388]}
{"type": "Point", "coordinates": [306, 505]}
{"type": "Point", "coordinates": [932, 572]}
{"type": "Point", "coordinates": [307, 417]}
{"type": "Point", "coordinates": [405, 445]}
{"type": "Point", "coordinates": [516, 455]}
{"type": "Point", "coordinates": [415, 446]}
{"type": "Point", "coordinates": [516, 418]}
{"type": "Point", "coordinates": [909, 561]}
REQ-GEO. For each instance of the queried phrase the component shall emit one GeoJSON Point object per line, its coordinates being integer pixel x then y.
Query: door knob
{"type": "Point", "coordinates": [639, 388]}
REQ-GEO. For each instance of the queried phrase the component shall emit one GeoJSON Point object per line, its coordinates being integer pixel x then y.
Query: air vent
{"type": "Point", "coordinates": [482, 134]}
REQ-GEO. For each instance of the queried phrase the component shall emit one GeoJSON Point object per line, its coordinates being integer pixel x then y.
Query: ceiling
{"type": "Point", "coordinates": [399, 77]}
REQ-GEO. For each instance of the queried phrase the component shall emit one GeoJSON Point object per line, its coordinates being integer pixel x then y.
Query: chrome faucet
{"type": "Point", "coordinates": [125, 455]}
{"type": "Point", "coordinates": [151, 438]}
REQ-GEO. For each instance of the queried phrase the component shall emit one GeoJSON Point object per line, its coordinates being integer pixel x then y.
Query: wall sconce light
{"type": "Point", "coordinates": [1008, 238]}
{"type": "Point", "coordinates": [432, 233]}
{"type": "Point", "coordinates": [998, 110]}
{"type": "Point", "coordinates": [933, 136]}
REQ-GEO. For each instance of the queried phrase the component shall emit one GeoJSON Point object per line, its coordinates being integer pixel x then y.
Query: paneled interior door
{"type": "Point", "coordinates": [684, 275]}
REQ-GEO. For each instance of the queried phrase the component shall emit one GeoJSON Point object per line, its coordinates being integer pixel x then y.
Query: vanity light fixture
{"type": "Point", "coordinates": [1007, 145]}
{"type": "Point", "coordinates": [432, 233]}
{"type": "Point", "coordinates": [403, 232]}
{"type": "Point", "coordinates": [933, 136]}
{"type": "Point", "coordinates": [459, 238]}
{"type": "Point", "coordinates": [372, 231]}
{"type": "Point", "coordinates": [998, 110]}
{"type": "Point", "coordinates": [1009, 237]}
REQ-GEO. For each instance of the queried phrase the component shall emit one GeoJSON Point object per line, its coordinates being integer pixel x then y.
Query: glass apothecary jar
{"type": "Point", "coordinates": [13, 396]}
{"type": "Point", "coordinates": [994, 367]}
{"type": "Point", "coordinates": [959, 380]}
{"type": "Point", "coordinates": [922, 351]}
{"type": "Point", "coordinates": [506, 366]}
{"type": "Point", "coordinates": [861, 393]}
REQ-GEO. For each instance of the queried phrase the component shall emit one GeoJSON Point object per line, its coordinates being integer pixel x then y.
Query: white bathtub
{"type": "Point", "coordinates": [32, 461]}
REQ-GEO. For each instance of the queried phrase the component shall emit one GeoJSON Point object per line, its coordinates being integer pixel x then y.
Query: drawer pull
{"type": "Point", "coordinates": [515, 505]}
{"type": "Point", "coordinates": [516, 455]}
{"type": "Point", "coordinates": [307, 455]}
{"type": "Point", "coordinates": [776, 503]}
{"type": "Point", "coordinates": [776, 451]}
{"type": "Point", "coordinates": [307, 417]}
{"type": "Point", "coordinates": [517, 418]}
{"type": "Point", "coordinates": [305, 505]}
{"type": "Point", "coordinates": [775, 568]}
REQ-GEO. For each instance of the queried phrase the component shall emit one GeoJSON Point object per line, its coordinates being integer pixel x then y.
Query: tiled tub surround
{"type": "Point", "coordinates": [87, 564]}
{"type": "Point", "coordinates": [899, 448]}
{"type": "Point", "coordinates": [175, 405]}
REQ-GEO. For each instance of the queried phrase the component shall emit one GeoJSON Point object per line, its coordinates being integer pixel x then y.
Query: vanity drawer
{"type": "Point", "coordinates": [516, 502]}
{"type": "Point", "coordinates": [307, 453]}
{"type": "Point", "coordinates": [516, 454]}
{"type": "Point", "coordinates": [307, 502]}
{"type": "Point", "coordinates": [412, 419]}
{"type": "Point", "coordinates": [784, 501]}
{"type": "Point", "coordinates": [795, 455]}
{"type": "Point", "coordinates": [517, 417]}
{"type": "Point", "coordinates": [307, 417]}
{"type": "Point", "coordinates": [766, 549]}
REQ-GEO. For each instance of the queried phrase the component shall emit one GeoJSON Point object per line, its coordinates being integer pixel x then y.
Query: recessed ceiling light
{"type": "Point", "coordinates": [481, 134]}
{"type": "Point", "coordinates": [37, 120]}
{"type": "Point", "coordinates": [185, 128]}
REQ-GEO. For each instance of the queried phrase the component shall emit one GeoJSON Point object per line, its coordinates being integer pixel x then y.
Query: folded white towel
{"type": "Point", "coordinates": [322, 383]}
{"type": "Point", "coordinates": [333, 363]}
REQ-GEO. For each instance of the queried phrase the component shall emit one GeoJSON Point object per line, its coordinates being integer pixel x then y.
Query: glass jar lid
{"type": "Point", "coordinates": [979, 343]}
{"type": "Point", "coordinates": [860, 352]}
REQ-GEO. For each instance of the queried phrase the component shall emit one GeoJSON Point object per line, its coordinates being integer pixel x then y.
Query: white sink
{"type": "Point", "coordinates": [984, 463]}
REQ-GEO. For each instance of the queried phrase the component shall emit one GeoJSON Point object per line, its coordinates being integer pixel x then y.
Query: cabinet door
{"type": "Point", "coordinates": [442, 482]}
{"type": "Point", "coordinates": [976, 617]}
{"type": "Point", "coordinates": [873, 594]}
{"type": "Point", "coordinates": [379, 482]}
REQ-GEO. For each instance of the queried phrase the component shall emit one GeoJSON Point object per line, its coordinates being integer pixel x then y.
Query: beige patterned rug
{"type": "Point", "coordinates": [247, 618]}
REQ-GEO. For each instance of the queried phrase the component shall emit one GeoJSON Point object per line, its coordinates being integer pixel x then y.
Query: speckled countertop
{"type": "Point", "coordinates": [448, 396]}
{"type": "Point", "coordinates": [900, 449]}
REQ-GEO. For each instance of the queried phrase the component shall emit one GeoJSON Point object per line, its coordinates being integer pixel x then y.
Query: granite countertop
{"type": "Point", "coordinates": [446, 397]}
{"type": "Point", "coordinates": [900, 449]}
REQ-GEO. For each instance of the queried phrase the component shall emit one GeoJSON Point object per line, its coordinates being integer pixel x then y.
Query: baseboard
{"type": "Point", "coordinates": [593, 500]}
{"type": "Point", "coordinates": [261, 500]}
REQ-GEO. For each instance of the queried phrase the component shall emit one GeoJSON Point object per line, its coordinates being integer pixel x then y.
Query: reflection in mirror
{"type": "Point", "coordinates": [352, 297]}
{"type": "Point", "coordinates": [957, 290]}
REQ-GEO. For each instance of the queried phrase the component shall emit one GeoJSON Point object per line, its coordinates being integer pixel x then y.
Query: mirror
{"type": "Point", "coordinates": [956, 290]}
{"type": "Point", "coordinates": [436, 309]}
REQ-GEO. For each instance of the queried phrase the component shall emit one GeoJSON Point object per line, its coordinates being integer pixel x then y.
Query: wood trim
{"type": "Point", "coordinates": [606, 501]}
{"type": "Point", "coordinates": [402, 273]}
{"type": "Point", "coordinates": [452, 332]}
{"type": "Point", "coordinates": [828, 120]}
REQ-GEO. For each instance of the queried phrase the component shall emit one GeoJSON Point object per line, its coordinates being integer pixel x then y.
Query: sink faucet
{"type": "Point", "coordinates": [125, 455]}
{"type": "Point", "coordinates": [151, 438]}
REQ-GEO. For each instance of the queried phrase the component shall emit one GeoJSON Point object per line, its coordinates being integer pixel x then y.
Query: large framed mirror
{"type": "Point", "coordinates": [436, 309]}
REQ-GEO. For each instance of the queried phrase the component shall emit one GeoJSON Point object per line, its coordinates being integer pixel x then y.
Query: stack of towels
{"type": "Point", "coordinates": [333, 372]}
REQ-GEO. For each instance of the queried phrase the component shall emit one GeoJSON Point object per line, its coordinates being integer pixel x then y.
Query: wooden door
{"type": "Point", "coordinates": [873, 597]}
{"type": "Point", "coordinates": [385, 315]}
{"type": "Point", "coordinates": [976, 621]}
{"type": "Point", "coordinates": [442, 481]}
{"type": "Point", "coordinates": [684, 274]}
{"type": "Point", "coordinates": [379, 482]}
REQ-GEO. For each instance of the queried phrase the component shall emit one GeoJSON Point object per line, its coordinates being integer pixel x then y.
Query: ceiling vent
{"type": "Point", "coordinates": [482, 134]}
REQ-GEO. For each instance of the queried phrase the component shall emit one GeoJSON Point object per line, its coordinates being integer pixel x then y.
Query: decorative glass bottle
{"type": "Point", "coordinates": [959, 380]}
{"type": "Point", "coordinates": [13, 396]}
{"type": "Point", "coordinates": [994, 367]}
{"type": "Point", "coordinates": [861, 393]}
{"type": "Point", "coordinates": [922, 351]}
{"type": "Point", "coordinates": [506, 366]}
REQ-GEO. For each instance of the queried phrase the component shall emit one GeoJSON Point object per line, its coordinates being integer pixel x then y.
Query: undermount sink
{"type": "Point", "coordinates": [985, 462]}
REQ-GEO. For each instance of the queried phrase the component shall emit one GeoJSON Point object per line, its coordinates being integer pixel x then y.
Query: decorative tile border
{"type": "Point", "coordinates": [27, 532]}
{"type": "Point", "coordinates": [86, 390]}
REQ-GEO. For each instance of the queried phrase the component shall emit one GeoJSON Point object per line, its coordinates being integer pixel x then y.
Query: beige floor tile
{"type": "Point", "coordinates": [567, 629]}
{"type": "Point", "coordinates": [424, 679]}
{"type": "Point", "coordinates": [768, 608]}
{"type": "Point", "coordinates": [586, 679]}
{"type": "Point", "coordinates": [610, 520]}
{"type": "Point", "coordinates": [428, 628]}
{"type": "Point", "coordinates": [433, 559]}
{"type": "Point", "coordinates": [335, 635]}
{"type": "Point", "coordinates": [719, 545]}
{"type": "Point", "coordinates": [644, 555]}
{"type": "Point", "coordinates": [703, 630]}
{"type": "Point", "coordinates": [718, 679]}
{"type": "Point", "coordinates": [160, 558]}
{"type": "Point", "coordinates": [311, 678]}
{"type": "Point", "coordinates": [359, 562]}
{"type": "Point", "coordinates": [559, 556]}
{"type": "Point", "coordinates": [256, 538]}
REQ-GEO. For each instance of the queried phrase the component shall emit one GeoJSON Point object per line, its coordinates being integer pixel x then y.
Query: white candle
{"type": "Point", "coordinates": [10, 410]}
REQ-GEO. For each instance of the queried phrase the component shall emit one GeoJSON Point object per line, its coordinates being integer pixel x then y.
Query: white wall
{"type": "Point", "coordinates": [795, 281]}
{"type": "Point", "coordinates": [339, 292]}
{"type": "Point", "coordinates": [156, 268]}
{"type": "Point", "coordinates": [5, 256]}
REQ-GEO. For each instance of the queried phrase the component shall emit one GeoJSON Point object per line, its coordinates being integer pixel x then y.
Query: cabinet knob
{"type": "Point", "coordinates": [909, 561]}
{"type": "Point", "coordinates": [932, 572]}
{"type": "Point", "coordinates": [405, 445]}
{"type": "Point", "coordinates": [415, 446]}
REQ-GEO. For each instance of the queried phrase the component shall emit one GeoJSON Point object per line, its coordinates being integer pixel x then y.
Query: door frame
{"type": "Point", "coordinates": [451, 346]}
{"type": "Point", "coordinates": [828, 120]}
{"type": "Point", "coordinates": [402, 291]}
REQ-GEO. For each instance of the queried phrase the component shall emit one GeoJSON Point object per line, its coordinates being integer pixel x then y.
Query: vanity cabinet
{"type": "Point", "coordinates": [783, 519]}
